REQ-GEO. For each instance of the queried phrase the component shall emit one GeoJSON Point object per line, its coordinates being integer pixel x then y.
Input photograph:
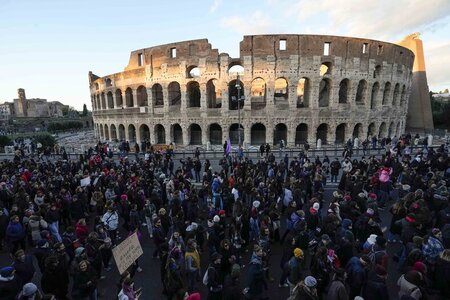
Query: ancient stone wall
{"type": "Point", "coordinates": [296, 87]}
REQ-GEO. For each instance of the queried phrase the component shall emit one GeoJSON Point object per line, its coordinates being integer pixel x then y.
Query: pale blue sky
{"type": "Point", "coordinates": [48, 47]}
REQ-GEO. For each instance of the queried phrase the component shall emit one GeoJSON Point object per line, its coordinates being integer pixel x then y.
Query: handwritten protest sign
{"type": "Point", "coordinates": [127, 252]}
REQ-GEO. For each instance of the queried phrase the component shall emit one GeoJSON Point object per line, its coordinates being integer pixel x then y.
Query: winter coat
{"type": "Point", "coordinates": [35, 225]}
{"type": "Point", "coordinates": [255, 277]}
{"type": "Point", "coordinates": [81, 288]}
{"type": "Point", "coordinates": [442, 275]}
{"type": "Point", "coordinates": [337, 291]}
{"type": "Point", "coordinates": [375, 288]}
{"type": "Point", "coordinates": [9, 287]}
{"type": "Point", "coordinates": [295, 270]}
{"type": "Point", "coordinates": [24, 270]}
{"type": "Point", "coordinates": [356, 273]}
{"type": "Point", "coordinates": [408, 288]}
{"type": "Point", "coordinates": [15, 232]}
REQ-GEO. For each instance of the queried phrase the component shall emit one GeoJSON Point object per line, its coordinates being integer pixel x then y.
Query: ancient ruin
{"type": "Point", "coordinates": [297, 88]}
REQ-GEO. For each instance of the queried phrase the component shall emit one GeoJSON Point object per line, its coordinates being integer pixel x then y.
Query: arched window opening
{"type": "Point", "coordinates": [258, 134]}
{"type": "Point", "coordinates": [281, 90]}
{"type": "Point", "coordinates": [144, 133]}
{"type": "Point", "coordinates": [174, 93]}
{"type": "Point", "coordinates": [322, 133]}
{"type": "Point", "coordinates": [235, 69]}
{"type": "Point", "coordinates": [340, 134]}
{"type": "Point", "coordinates": [129, 97]}
{"type": "Point", "coordinates": [106, 132]}
{"type": "Point", "coordinates": [215, 134]}
{"type": "Point", "coordinates": [160, 134]}
{"type": "Point", "coordinates": [403, 97]}
{"type": "Point", "coordinates": [131, 133]}
{"type": "Point", "coordinates": [108, 82]}
{"type": "Point", "coordinates": [157, 95]}
{"type": "Point", "coordinates": [374, 95]}
{"type": "Point", "coordinates": [177, 134]}
{"type": "Point", "coordinates": [377, 71]}
{"type": "Point", "coordinates": [258, 94]}
{"type": "Point", "coordinates": [193, 72]}
{"type": "Point", "coordinates": [280, 133]}
{"type": "Point", "coordinates": [371, 131]}
{"type": "Point", "coordinates": [358, 131]}
{"type": "Point", "coordinates": [196, 134]}
{"type": "Point", "coordinates": [193, 94]}
{"type": "Point", "coordinates": [121, 132]}
{"type": "Point", "coordinates": [386, 93]}
{"type": "Point", "coordinates": [119, 100]}
{"type": "Point", "coordinates": [301, 134]}
{"type": "Point", "coordinates": [142, 98]}
{"type": "Point", "coordinates": [343, 91]}
{"type": "Point", "coordinates": [324, 93]}
{"type": "Point", "coordinates": [103, 101]}
{"type": "Point", "coordinates": [361, 92]}
{"type": "Point", "coordinates": [110, 98]}
{"type": "Point", "coordinates": [396, 95]}
{"type": "Point", "coordinates": [214, 97]}
{"type": "Point", "coordinates": [383, 131]}
{"type": "Point", "coordinates": [234, 133]}
{"type": "Point", "coordinates": [233, 91]}
{"type": "Point", "coordinates": [325, 69]}
{"type": "Point", "coordinates": [113, 133]}
{"type": "Point", "coordinates": [303, 89]}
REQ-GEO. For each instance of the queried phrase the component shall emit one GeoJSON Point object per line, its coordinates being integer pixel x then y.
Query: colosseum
{"type": "Point", "coordinates": [295, 88]}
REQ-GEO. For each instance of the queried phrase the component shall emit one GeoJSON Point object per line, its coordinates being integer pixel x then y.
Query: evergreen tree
{"type": "Point", "coordinates": [85, 111]}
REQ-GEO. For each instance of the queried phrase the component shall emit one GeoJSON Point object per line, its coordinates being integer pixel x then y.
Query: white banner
{"type": "Point", "coordinates": [127, 252]}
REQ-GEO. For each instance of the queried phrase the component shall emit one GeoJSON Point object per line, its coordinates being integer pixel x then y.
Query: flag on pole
{"type": "Point", "coordinates": [228, 149]}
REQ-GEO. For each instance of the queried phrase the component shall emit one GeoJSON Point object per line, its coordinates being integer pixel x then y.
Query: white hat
{"type": "Point", "coordinates": [316, 206]}
{"type": "Point", "coordinates": [216, 219]}
{"type": "Point", "coordinates": [256, 203]}
{"type": "Point", "coordinates": [372, 239]}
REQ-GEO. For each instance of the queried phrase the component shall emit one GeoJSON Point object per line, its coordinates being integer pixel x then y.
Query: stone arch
{"type": "Point", "coordinates": [403, 96]}
{"type": "Point", "coordinates": [213, 94]}
{"type": "Point", "coordinates": [397, 130]}
{"type": "Point", "coordinates": [106, 128]}
{"type": "Point", "coordinates": [324, 92]}
{"type": "Point", "coordinates": [96, 86]}
{"type": "Point", "coordinates": [340, 133]}
{"type": "Point", "coordinates": [103, 101]}
{"type": "Point", "coordinates": [119, 100]}
{"type": "Point", "coordinates": [177, 134]}
{"type": "Point", "coordinates": [358, 131]}
{"type": "Point", "coordinates": [121, 132]}
{"type": "Point", "coordinates": [141, 95]}
{"type": "Point", "coordinates": [361, 92]}
{"type": "Point", "coordinates": [301, 134]}
{"type": "Point", "coordinates": [215, 134]}
{"type": "Point", "coordinates": [233, 91]}
{"type": "Point", "coordinates": [303, 92]}
{"type": "Point", "coordinates": [374, 95]}
{"type": "Point", "coordinates": [386, 93]}
{"type": "Point", "coordinates": [343, 90]}
{"type": "Point", "coordinates": [110, 98]}
{"type": "Point", "coordinates": [93, 103]}
{"type": "Point", "coordinates": [108, 82]}
{"type": "Point", "coordinates": [281, 89]}
{"type": "Point", "coordinates": [257, 134]}
{"type": "Point", "coordinates": [280, 133]}
{"type": "Point", "coordinates": [131, 133]}
{"type": "Point", "coordinates": [371, 130]}
{"type": "Point", "coordinates": [160, 134]}
{"type": "Point", "coordinates": [235, 67]}
{"type": "Point", "coordinates": [377, 71]}
{"type": "Point", "coordinates": [144, 132]}
{"type": "Point", "coordinates": [234, 133]}
{"type": "Point", "coordinates": [174, 93]}
{"type": "Point", "coordinates": [258, 93]}
{"type": "Point", "coordinates": [193, 94]}
{"type": "Point", "coordinates": [157, 95]}
{"type": "Point", "coordinates": [113, 132]}
{"type": "Point", "coordinates": [195, 134]}
{"type": "Point", "coordinates": [102, 132]}
{"type": "Point", "coordinates": [391, 129]}
{"type": "Point", "coordinates": [382, 132]}
{"type": "Point", "coordinates": [99, 102]}
{"type": "Point", "coordinates": [192, 71]}
{"type": "Point", "coordinates": [325, 68]}
{"type": "Point", "coordinates": [129, 102]}
{"type": "Point", "coordinates": [396, 95]}
{"type": "Point", "coordinates": [322, 133]}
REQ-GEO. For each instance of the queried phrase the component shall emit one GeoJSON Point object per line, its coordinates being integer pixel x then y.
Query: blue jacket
{"type": "Point", "coordinates": [14, 231]}
{"type": "Point", "coordinates": [356, 273]}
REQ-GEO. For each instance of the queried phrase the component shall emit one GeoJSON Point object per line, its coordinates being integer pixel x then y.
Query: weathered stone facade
{"type": "Point", "coordinates": [296, 88]}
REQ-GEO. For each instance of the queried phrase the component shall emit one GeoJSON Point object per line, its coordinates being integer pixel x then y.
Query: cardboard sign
{"type": "Point", "coordinates": [127, 252]}
{"type": "Point", "coordinates": [85, 181]}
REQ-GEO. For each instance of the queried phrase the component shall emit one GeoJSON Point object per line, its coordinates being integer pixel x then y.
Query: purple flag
{"type": "Point", "coordinates": [228, 150]}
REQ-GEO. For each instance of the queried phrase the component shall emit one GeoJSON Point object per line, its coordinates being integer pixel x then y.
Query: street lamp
{"type": "Point", "coordinates": [238, 99]}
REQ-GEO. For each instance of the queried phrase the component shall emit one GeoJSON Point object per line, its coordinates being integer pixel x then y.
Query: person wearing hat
{"type": "Point", "coordinates": [295, 269]}
{"type": "Point", "coordinates": [159, 237]}
{"type": "Point", "coordinates": [232, 289]}
{"type": "Point", "coordinates": [376, 287]}
{"type": "Point", "coordinates": [41, 252]}
{"type": "Point", "coordinates": [15, 234]}
{"type": "Point", "coordinates": [356, 270]}
{"type": "Point", "coordinates": [306, 289]}
{"type": "Point", "coordinates": [335, 166]}
{"type": "Point", "coordinates": [409, 285]}
{"type": "Point", "coordinates": [337, 289]}
{"type": "Point", "coordinates": [9, 283]}
{"type": "Point", "coordinates": [215, 287]}
{"type": "Point", "coordinates": [29, 292]}
{"type": "Point", "coordinates": [192, 259]}
{"type": "Point", "coordinates": [24, 267]}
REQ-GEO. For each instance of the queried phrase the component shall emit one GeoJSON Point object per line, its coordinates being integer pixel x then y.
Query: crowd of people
{"type": "Point", "coordinates": [210, 227]}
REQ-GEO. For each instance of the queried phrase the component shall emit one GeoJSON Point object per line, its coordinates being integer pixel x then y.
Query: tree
{"type": "Point", "coordinates": [5, 141]}
{"type": "Point", "coordinates": [45, 139]}
{"type": "Point", "coordinates": [446, 91]}
{"type": "Point", "coordinates": [85, 111]}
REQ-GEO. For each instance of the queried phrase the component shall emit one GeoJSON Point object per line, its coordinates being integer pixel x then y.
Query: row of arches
{"type": "Point", "coordinates": [214, 133]}
{"type": "Point", "coordinates": [258, 94]}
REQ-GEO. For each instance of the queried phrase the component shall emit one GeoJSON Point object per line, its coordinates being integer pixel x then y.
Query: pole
{"type": "Point", "coordinates": [238, 86]}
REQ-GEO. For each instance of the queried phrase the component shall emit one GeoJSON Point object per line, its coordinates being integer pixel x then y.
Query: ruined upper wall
{"type": "Point", "coordinates": [189, 51]}
{"type": "Point", "coordinates": [260, 46]}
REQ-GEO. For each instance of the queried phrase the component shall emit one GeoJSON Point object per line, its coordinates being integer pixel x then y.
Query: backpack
{"type": "Point", "coordinates": [373, 257]}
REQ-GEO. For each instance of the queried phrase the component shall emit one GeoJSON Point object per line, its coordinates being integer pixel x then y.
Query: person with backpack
{"type": "Point", "coordinates": [356, 270]}
{"type": "Point", "coordinates": [377, 253]}
{"type": "Point", "coordinates": [212, 279]}
{"type": "Point", "coordinates": [294, 268]}
{"type": "Point", "coordinates": [192, 260]}
{"type": "Point", "coordinates": [337, 289]}
{"type": "Point", "coordinates": [256, 284]}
